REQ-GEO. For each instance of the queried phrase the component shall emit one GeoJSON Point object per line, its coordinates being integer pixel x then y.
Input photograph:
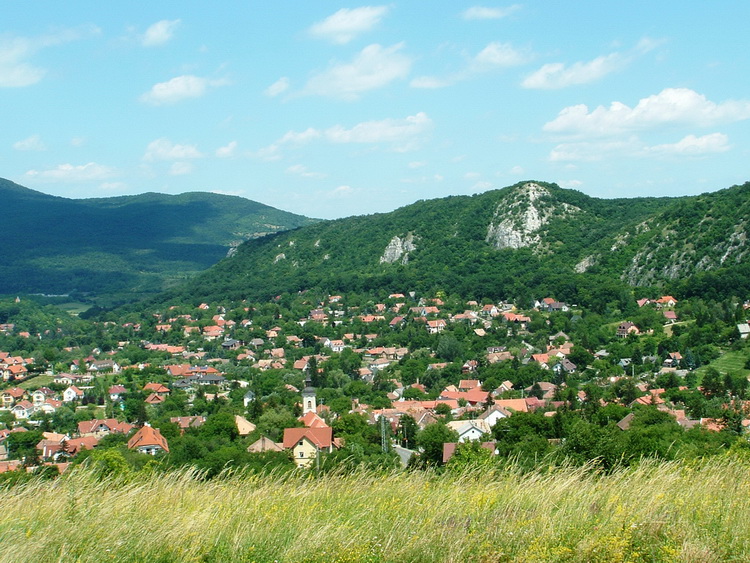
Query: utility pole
{"type": "Point", "coordinates": [383, 438]}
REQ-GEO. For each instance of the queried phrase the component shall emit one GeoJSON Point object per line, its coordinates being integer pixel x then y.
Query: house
{"type": "Point", "coordinates": [306, 443]}
{"type": "Point", "coordinates": [627, 328]}
{"type": "Point", "coordinates": [493, 414]}
{"type": "Point", "coordinates": [666, 301]}
{"type": "Point", "coordinates": [100, 428]}
{"type": "Point", "coordinates": [187, 422]}
{"type": "Point", "coordinates": [71, 394]}
{"type": "Point", "coordinates": [264, 444]}
{"type": "Point", "coordinates": [158, 388]}
{"type": "Point", "coordinates": [104, 366]}
{"type": "Point", "coordinates": [244, 426]}
{"type": "Point", "coordinates": [154, 399]}
{"type": "Point", "coordinates": [436, 326]}
{"type": "Point", "coordinates": [10, 396]}
{"type": "Point", "coordinates": [23, 409]}
{"type": "Point", "coordinates": [469, 429]}
{"type": "Point", "coordinates": [39, 396]}
{"type": "Point", "coordinates": [116, 392]}
{"type": "Point", "coordinates": [148, 440]}
{"type": "Point", "coordinates": [744, 330]}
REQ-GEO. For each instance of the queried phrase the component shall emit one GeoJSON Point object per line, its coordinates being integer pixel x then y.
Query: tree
{"type": "Point", "coordinates": [469, 454]}
{"type": "Point", "coordinates": [431, 439]}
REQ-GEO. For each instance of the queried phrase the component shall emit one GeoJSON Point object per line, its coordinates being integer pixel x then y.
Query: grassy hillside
{"type": "Point", "coordinates": [122, 247]}
{"type": "Point", "coordinates": [656, 512]}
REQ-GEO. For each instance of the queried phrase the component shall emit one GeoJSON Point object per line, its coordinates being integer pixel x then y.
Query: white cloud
{"type": "Point", "coordinates": [402, 134]}
{"type": "Point", "coordinates": [227, 151]}
{"type": "Point", "coordinates": [557, 75]}
{"type": "Point", "coordinates": [300, 138]}
{"type": "Point", "coordinates": [33, 143]}
{"type": "Point", "coordinates": [346, 24]}
{"type": "Point", "coordinates": [178, 89]}
{"type": "Point", "coordinates": [670, 106]}
{"type": "Point", "coordinates": [417, 164]}
{"type": "Point", "coordinates": [301, 170]}
{"type": "Point", "coordinates": [15, 69]}
{"type": "Point", "coordinates": [164, 149]}
{"type": "Point", "coordinates": [278, 87]}
{"type": "Point", "coordinates": [342, 191]}
{"type": "Point", "coordinates": [374, 67]}
{"type": "Point", "coordinates": [517, 170]}
{"type": "Point", "coordinates": [498, 55]}
{"type": "Point", "coordinates": [387, 130]}
{"type": "Point", "coordinates": [180, 168]}
{"type": "Point", "coordinates": [472, 175]}
{"type": "Point", "coordinates": [483, 13]}
{"type": "Point", "coordinates": [73, 173]}
{"type": "Point", "coordinates": [159, 33]}
{"type": "Point", "coordinates": [594, 151]}
{"type": "Point", "coordinates": [494, 56]}
{"type": "Point", "coordinates": [693, 146]}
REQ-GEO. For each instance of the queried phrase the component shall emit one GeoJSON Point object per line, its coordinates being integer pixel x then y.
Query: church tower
{"type": "Point", "coordinates": [308, 398]}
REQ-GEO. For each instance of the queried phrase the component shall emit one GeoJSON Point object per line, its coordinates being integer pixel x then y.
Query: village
{"type": "Point", "coordinates": [300, 376]}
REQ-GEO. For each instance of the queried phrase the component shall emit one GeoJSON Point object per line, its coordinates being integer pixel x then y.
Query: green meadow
{"type": "Point", "coordinates": [664, 511]}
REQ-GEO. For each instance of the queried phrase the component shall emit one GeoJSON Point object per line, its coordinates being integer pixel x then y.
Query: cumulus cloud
{"type": "Point", "coordinates": [374, 67]}
{"type": "Point", "coordinates": [346, 24]}
{"type": "Point", "coordinates": [179, 88]}
{"type": "Point", "coordinates": [693, 146]}
{"type": "Point", "coordinates": [159, 33]}
{"type": "Point", "coordinates": [227, 151]}
{"type": "Point", "coordinates": [401, 134]}
{"type": "Point", "coordinates": [73, 173]}
{"type": "Point", "coordinates": [33, 143]}
{"type": "Point", "coordinates": [278, 87]}
{"type": "Point", "coordinates": [399, 131]}
{"type": "Point", "coordinates": [494, 56]}
{"type": "Point", "coordinates": [497, 55]}
{"type": "Point", "coordinates": [670, 106]}
{"type": "Point", "coordinates": [632, 147]}
{"type": "Point", "coordinates": [15, 69]}
{"type": "Point", "coordinates": [557, 75]}
{"type": "Point", "coordinates": [164, 149]}
{"type": "Point", "coordinates": [484, 13]}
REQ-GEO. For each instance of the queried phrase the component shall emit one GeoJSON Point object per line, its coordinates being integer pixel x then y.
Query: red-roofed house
{"type": "Point", "coordinates": [305, 443]}
{"type": "Point", "coordinates": [148, 440]}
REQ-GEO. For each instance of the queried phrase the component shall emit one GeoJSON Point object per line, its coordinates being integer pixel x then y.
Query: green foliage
{"type": "Point", "coordinates": [121, 248]}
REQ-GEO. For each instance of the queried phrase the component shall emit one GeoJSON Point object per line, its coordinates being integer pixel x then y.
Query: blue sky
{"type": "Point", "coordinates": [331, 110]}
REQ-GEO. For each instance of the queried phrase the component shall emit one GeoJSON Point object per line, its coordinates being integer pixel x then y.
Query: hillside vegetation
{"type": "Point", "coordinates": [654, 512]}
{"type": "Point", "coordinates": [121, 248]}
{"type": "Point", "coordinates": [529, 239]}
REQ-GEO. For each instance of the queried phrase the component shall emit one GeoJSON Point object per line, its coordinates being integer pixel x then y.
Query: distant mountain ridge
{"type": "Point", "coordinates": [127, 246]}
{"type": "Point", "coordinates": [532, 238]}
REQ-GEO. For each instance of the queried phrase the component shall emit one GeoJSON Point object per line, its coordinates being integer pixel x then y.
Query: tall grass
{"type": "Point", "coordinates": [653, 512]}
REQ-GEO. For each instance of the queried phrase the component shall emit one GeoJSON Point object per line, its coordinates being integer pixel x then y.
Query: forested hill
{"type": "Point", "coordinates": [121, 248]}
{"type": "Point", "coordinates": [520, 242]}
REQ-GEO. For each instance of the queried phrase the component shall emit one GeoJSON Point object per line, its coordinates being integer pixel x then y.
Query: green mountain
{"type": "Point", "coordinates": [122, 248]}
{"type": "Point", "coordinates": [524, 241]}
